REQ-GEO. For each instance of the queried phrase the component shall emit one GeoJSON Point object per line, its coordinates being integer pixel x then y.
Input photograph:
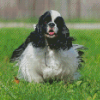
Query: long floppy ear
{"type": "Point", "coordinates": [39, 25]}
{"type": "Point", "coordinates": [69, 42]}
{"type": "Point", "coordinates": [65, 30]}
{"type": "Point", "coordinates": [62, 26]}
{"type": "Point", "coordinates": [65, 34]}
{"type": "Point", "coordinates": [42, 19]}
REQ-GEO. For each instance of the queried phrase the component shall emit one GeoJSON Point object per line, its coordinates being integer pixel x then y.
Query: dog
{"type": "Point", "coordinates": [48, 52]}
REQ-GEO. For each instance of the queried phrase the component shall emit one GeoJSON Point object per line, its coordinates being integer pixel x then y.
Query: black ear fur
{"type": "Point", "coordinates": [39, 25]}
{"type": "Point", "coordinates": [45, 17]}
{"type": "Point", "coordinates": [66, 35]}
{"type": "Point", "coordinates": [65, 31]}
{"type": "Point", "coordinates": [62, 26]}
{"type": "Point", "coordinates": [69, 42]}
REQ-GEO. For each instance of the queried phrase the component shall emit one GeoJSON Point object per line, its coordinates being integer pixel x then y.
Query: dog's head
{"type": "Point", "coordinates": [52, 25]}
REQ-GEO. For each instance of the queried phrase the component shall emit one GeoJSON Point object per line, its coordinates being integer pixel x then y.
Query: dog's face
{"type": "Point", "coordinates": [51, 24]}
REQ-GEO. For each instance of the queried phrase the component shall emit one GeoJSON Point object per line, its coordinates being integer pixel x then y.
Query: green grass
{"type": "Point", "coordinates": [24, 20]}
{"type": "Point", "coordinates": [82, 20]}
{"type": "Point", "coordinates": [86, 88]}
{"type": "Point", "coordinates": [35, 20]}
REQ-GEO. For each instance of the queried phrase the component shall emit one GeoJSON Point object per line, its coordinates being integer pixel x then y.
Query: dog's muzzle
{"type": "Point", "coordinates": [51, 30]}
{"type": "Point", "coordinates": [51, 25]}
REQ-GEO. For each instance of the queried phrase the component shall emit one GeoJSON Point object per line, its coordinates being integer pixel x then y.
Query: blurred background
{"type": "Point", "coordinates": [30, 10]}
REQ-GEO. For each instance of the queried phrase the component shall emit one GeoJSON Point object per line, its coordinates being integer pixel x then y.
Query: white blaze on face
{"type": "Point", "coordinates": [54, 14]}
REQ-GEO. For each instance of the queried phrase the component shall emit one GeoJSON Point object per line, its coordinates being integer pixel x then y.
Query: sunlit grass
{"type": "Point", "coordinates": [86, 88]}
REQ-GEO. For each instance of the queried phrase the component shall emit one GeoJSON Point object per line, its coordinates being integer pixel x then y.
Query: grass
{"type": "Point", "coordinates": [86, 88]}
{"type": "Point", "coordinates": [35, 20]}
{"type": "Point", "coordinates": [24, 20]}
{"type": "Point", "coordinates": [82, 20]}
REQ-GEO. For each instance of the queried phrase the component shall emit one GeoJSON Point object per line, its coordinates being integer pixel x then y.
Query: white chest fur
{"type": "Point", "coordinates": [51, 57]}
{"type": "Point", "coordinates": [40, 64]}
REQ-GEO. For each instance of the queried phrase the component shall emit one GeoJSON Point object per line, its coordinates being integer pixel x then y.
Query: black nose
{"type": "Point", "coordinates": [51, 25]}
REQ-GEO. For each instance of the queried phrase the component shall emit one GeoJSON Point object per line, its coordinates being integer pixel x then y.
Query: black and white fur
{"type": "Point", "coordinates": [48, 53]}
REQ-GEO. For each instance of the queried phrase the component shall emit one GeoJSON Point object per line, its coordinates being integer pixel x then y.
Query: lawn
{"type": "Point", "coordinates": [35, 20]}
{"type": "Point", "coordinates": [86, 88]}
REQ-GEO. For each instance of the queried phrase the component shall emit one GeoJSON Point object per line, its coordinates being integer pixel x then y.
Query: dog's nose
{"type": "Point", "coordinates": [51, 25]}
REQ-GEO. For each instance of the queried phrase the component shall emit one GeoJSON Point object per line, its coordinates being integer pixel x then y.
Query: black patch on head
{"type": "Point", "coordinates": [59, 21]}
{"type": "Point", "coordinates": [46, 17]}
{"type": "Point", "coordinates": [43, 20]}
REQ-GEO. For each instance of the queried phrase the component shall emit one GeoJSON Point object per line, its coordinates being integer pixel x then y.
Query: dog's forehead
{"type": "Point", "coordinates": [54, 14]}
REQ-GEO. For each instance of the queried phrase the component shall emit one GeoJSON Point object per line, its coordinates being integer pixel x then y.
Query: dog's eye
{"type": "Point", "coordinates": [45, 22]}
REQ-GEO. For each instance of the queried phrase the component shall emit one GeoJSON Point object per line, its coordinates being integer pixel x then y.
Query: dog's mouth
{"type": "Point", "coordinates": [51, 32]}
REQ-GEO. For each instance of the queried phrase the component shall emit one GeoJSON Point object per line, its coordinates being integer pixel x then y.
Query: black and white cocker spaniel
{"type": "Point", "coordinates": [48, 52]}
